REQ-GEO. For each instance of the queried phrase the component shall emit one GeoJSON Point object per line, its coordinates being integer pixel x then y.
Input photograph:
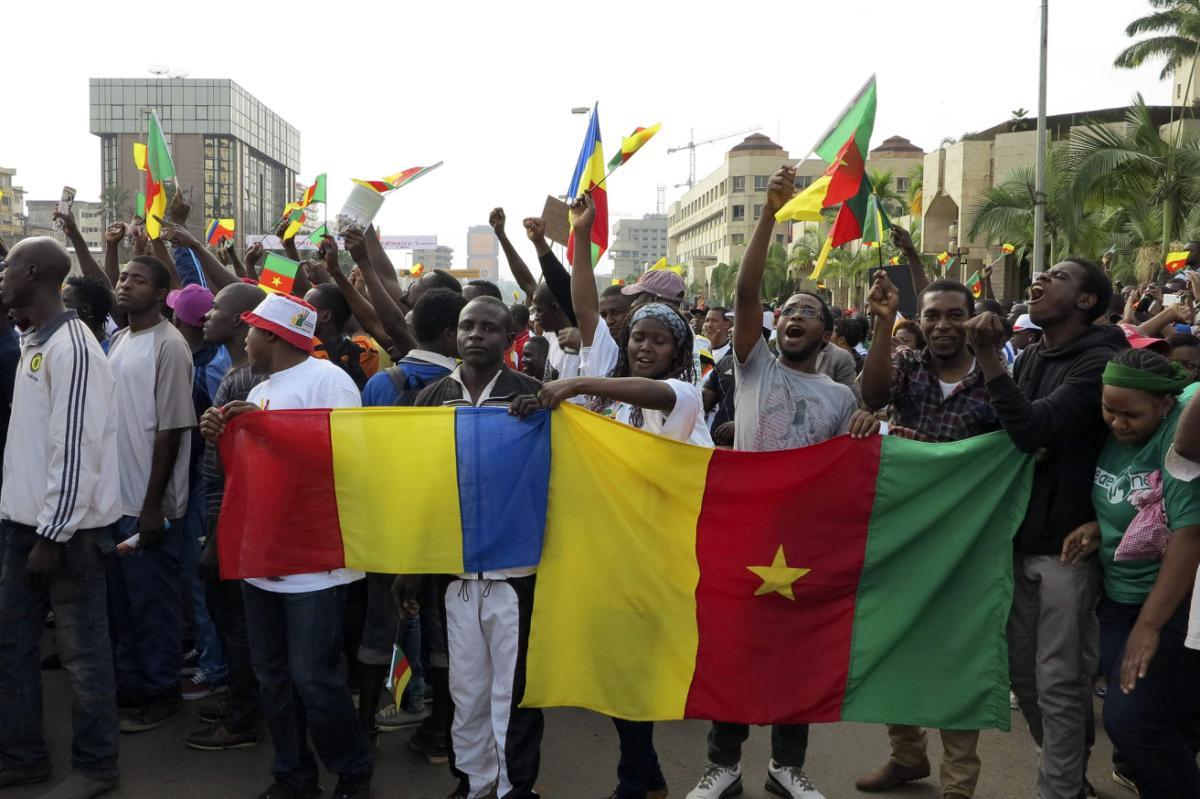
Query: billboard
{"type": "Point", "coordinates": [272, 242]}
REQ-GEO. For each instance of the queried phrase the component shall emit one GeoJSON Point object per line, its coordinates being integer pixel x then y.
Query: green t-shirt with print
{"type": "Point", "coordinates": [1125, 468]}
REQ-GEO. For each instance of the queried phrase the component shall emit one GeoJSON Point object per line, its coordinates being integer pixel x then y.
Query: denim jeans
{"type": "Point", "coordinates": [410, 645]}
{"type": "Point", "coordinates": [193, 527]}
{"type": "Point", "coordinates": [789, 743]}
{"type": "Point", "coordinates": [145, 614]}
{"type": "Point", "coordinates": [638, 770]}
{"type": "Point", "coordinates": [296, 646]}
{"type": "Point", "coordinates": [1151, 726]}
{"type": "Point", "coordinates": [242, 701]}
{"type": "Point", "coordinates": [79, 603]}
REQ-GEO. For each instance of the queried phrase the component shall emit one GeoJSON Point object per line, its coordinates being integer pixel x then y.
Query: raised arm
{"type": "Point", "coordinates": [1069, 411]}
{"type": "Point", "coordinates": [218, 276]}
{"type": "Point", "coordinates": [254, 254]}
{"type": "Point", "coordinates": [113, 236]}
{"type": "Point", "coordinates": [87, 263]}
{"type": "Point", "coordinates": [378, 259]}
{"type": "Point", "coordinates": [228, 256]}
{"type": "Point", "coordinates": [904, 242]}
{"type": "Point", "coordinates": [553, 272]}
{"type": "Point", "coordinates": [360, 306]}
{"type": "Point", "coordinates": [584, 297]}
{"type": "Point", "coordinates": [158, 249]}
{"type": "Point", "coordinates": [516, 264]}
{"type": "Point", "coordinates": [876, 378]}
{"type": "Point", "coordinates": [747, 317]}
{"type": "Point", "coordinates": [387, 310]}
{"type": "Point", "coordinates": [985, 274]}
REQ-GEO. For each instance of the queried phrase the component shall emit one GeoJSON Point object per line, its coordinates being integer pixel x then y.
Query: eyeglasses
{"type": "Point", "coordinates": [803, 311]}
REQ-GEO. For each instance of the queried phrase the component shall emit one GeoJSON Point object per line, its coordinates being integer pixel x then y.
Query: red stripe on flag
{"type": "Point", "coordinates": [280, 514]}
{"type": "Point", "coordinates": [767, 658]}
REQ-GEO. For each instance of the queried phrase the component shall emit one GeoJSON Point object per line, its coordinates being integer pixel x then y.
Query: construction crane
{"type": "Point", "coordinates": [693, 144]}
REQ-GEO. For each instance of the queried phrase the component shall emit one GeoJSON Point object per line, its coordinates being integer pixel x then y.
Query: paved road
{"type": "Point", "coordinates": [578, 760]}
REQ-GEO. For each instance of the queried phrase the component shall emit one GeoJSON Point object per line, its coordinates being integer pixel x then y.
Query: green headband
{"type": "Point", "coordinates": [1121, 376]}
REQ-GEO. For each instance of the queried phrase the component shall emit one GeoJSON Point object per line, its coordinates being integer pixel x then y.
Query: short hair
{"type": "Point", "coordinates": [538, 342]}
{"type": "Point", "coordinates": [492, 302]}
{"type": "Point", "coordinates": [520, 315]}
{"type": "Point", "coordinates": [333, 300]}
{"type": "Point", "coordinates": [943, 284]}
{"type": "Point", "coordinates": [443, 279]}
{"type": "Point", "coordinates": [1096, 282]}
{"type": "Point", "coordinates": [95, 292]}
{"type": "Point", "coordinates": [160, 276]}
{"type": "Point", "coordinates": [911, 327]}
{"type": "Point", "coordinates": [612, 291]}
{"type": "Point", "coordinates": [486, 288]}
{"type": "Point", "coordinates": [1183, 340]}
{"type": "Point", "coordinates": [850, 329]}
{"type": "Point", "coordinates": [437, 310]}
{"type": "Point", "coordinates": [718, 308]}
{"type": "Point", "coordinates": [990, 306]}
{"type": "Point", "coordinates": [826, 312]}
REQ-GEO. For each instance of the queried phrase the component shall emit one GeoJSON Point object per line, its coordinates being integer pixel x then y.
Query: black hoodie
{"type": "Point", "coordinates": [1051, 407]}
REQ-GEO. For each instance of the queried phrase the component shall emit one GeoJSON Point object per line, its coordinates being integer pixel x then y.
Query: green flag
{"type": "Point", "coordinates": [158, 156]}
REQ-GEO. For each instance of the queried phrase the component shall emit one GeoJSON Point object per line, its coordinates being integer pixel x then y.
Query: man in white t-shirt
{"type": "Point", "coordinates": [294, 623]}
{"type": "Point", "coordinates": [152, 365]}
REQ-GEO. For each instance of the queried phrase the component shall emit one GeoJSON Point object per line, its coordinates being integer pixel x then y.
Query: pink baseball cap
{"type": "Point", "coordinates": [1142, 342]}
{"type": "Point", "coordinates": [190, 304]}
{"type": "Point", "coordinates": [661, 283]}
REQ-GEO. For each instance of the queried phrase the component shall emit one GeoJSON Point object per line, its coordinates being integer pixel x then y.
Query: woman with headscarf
{"type": "Point", "coordinates": [1148, 536]}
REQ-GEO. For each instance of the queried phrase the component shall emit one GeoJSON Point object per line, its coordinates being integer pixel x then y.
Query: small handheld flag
{"type": "Point", "coordinates": [975, 284]}
{"type": "Point", "coordinates": [402, 178]}
{"type": "Point", "coordinates": [1007, 249]}
{"type": "Point", "coordinates": [943, 258]}
{"type": "Point", "coordinates": [317, 235]}
{"type": "Point", "coordinates": [219, 230]}
{"type": "Point", "coordinates": [632, 143]}
{"type": "Point", "coordinates": [1176, 261]}
{"type": "Point", "coordinates": [399, 674]}
{"type": "Point", "coordinates": [314, 193]}
{"type": "Point", "coordinates": [894, 260]}
{"type": "Point", "coordinates": [417, 270]}
{"type": "Point", "coordinates": [278, 273]}
{"type": "Point", "coordinates": [616, 281]}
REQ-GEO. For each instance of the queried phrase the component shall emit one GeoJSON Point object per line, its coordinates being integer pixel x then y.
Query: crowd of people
{"type": "Point", "coordinates": [124, 378]}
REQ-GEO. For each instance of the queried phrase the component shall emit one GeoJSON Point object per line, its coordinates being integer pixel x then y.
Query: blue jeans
{"type": "Point", "coordinates": [296, 647]}
{"type": "Point", "coordinates": [1150, 727]}
{"type": "Point", "coordinates": [145, 614]}
{"type": "Point", "coordinates": [410, 644]}
{"type": "Point", "coordinates": [193, 526]}
{"type": "Point", "coordinates": [79, 603]}
{"type": "Point", "coordinates": [638, 770]}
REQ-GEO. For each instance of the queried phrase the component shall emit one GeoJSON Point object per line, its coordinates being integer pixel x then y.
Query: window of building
{"type": "Point", "coordinates": [902, 184]}
{"type": "Point", "coordinates": [737, 238]}
{"type": "Point", "coordinates": [760, 182]}
{"type": "Point", "coordinates": [739, 183]}
{"type": "Point", "coordinates": [803, 182]}
{"type": "Point", "coordinates": [757, 210]}
{"type": "Point", "coordinates": [779, 238]}
{"type": "Point", "coordinates": [739, 212]}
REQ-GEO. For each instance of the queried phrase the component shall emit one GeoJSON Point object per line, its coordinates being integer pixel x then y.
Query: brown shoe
{"type": "Point", "coordinates": [891, 775]}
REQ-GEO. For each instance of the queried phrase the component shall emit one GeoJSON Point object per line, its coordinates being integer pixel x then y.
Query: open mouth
{"type": "Point", "coordinates": [1035, 292]}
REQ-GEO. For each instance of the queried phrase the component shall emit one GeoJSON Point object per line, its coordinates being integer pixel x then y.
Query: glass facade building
{"type": "Point", "coordinates": [233, 156]}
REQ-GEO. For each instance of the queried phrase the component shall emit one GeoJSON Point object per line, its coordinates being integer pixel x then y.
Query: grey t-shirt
{"type": "Point", "coordinates": [780, 408]}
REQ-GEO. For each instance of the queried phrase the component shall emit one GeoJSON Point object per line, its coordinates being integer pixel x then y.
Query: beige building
{"type": "Point", "coordinates": [957, 176]}
{"type": "Point", "coordinates": [89, 217]}
{"type": "Point", "coordinates": [12, 207]}
{"type": "Point", "coordinates": [483, 252]}
{"type": "Point", "coordinates": [436, 256]}
{"type": "Point", "coordinates": [712, 222]}
{"type": "Point", "coordinates": [637, 244]}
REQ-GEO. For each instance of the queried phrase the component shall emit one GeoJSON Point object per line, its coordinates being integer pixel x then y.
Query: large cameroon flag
{"type": "Point", "coordinates": [859, 580]}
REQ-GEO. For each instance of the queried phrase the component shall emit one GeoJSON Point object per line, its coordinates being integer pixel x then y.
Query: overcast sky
{"type": "Point", "coordinates": [377, 87]}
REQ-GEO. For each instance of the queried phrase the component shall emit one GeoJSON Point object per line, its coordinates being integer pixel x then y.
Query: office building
{"type": "Point", "coordinates": [237, 157]}
{"type": "Point", "coordinates": [435, 256]}
{"type": "Point", "coordinates": [89, 218]}
{"type": "Point", "coordinates": [637, 244]}
{"type": "Point", "coordinates": [483, 252]}
{"type": "Point", "coordinates": [12, 207]}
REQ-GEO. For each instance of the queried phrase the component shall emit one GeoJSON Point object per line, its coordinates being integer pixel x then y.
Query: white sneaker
{"type": "Point", "coordinates": [718, 782]}
{"type": "Point", "coordinates": [790, 782]}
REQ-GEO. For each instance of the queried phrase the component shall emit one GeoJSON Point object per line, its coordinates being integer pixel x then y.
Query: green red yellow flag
{"type": "Point", "coordinates": [399, 674]}
{"type": "Point", "coordinates": [401, 178]}
{"type": "Point", "coordinates": [278, 273]}
{"type": "Point", "coordinates": [417, 270]}
{"type": "Point", "coordinates": [943, 258]}
{"type": "Point", "coordinates": [857, 121]}
{"type": "Point", "coordinates": [894, 260]}
{"type": "Point", "coordinates": [314, 193]}
{"type": "Point", "coordinates": [158, 155]}
{"type": "Point", "coordinates": [220, 230]}
{"type": "Point", "coordinates": [876, 223]}
{"type": "Point", "coordinates": [840, 182]}
{"type": "Point", "coordinates": [632, 143]}
{"type": "Point", "coordinates": [1008, 249]}
{"type": "Point", "coordinates": [1176, 261]}
{"type": "Point", "coordinates": [975, 284]}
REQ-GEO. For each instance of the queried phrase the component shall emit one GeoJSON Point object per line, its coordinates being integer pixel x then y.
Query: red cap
{"type": "Point", "coordinates": [1139, 341]}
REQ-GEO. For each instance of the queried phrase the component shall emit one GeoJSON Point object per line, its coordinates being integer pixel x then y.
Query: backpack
{"type": "Point", "coordinates": [407, 384]}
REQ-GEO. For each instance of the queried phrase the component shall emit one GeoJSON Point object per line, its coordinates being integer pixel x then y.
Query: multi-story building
{"type": "Point", "coordinates": [637, 244]}
{"type": "Point", "coordinates": [957, 176]}
{"type": "Point", "coordinates": [483, 252]}
{"type": "Point", "coordinates": [437, 256]}
{"type": "Point", "coordinates": [89, 218]}
{"type": "Point", "coordinates": [712, 222]}
{"type": "Point", "coordinates": [237, 157]}
{"type": "Point", "coordinates": [12, 207]}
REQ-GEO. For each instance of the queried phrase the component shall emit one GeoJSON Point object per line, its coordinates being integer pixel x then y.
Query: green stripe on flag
{"type": "Point", "coordinates": [285, 267]}
{"type": "Point", "coordinates": [858, 120]}
{"type": "Point", "coordinates": [937, 643]}
{"type": "Point", "coordinates": [318, 234]}
{"type": "Point", "coordinates": [158, 155]}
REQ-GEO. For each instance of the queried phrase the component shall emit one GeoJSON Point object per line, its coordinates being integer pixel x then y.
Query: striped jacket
{"type": "Point", "coordinates": [60, 473]}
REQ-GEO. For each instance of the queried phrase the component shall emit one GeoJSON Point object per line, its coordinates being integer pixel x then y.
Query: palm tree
{"type": "Point", "coordinates": [114, 204]}
{"type": "Point", "coordinates": [777, 280]}
{"type": "Point", "coordinates": [1018, 121]}
{"type": "Point", "coordinates": [883, 182]}
{"type": "Point", "coordinates": [1176, 24]}
{"type": "Point", "coordinates": [1137, 166]}
{"type": "Point", "coordinates": [916, 191]}
{"type": "Point", "coordinates": [720, 284]}
{"type": "Point", "coordinates": [1005, 214]}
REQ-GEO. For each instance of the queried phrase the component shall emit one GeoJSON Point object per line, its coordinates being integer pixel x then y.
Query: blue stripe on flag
{"type": "Point", "coordinates": [503, 484]}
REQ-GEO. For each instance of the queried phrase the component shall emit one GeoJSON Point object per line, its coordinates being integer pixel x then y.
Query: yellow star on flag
{"type": "Point", "coordinates": [778, 577]}
{"type": "Point", "coordinates": [276, 282]}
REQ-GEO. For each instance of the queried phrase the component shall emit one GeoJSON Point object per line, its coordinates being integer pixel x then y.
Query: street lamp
{"type": "Point", "coordinates": [580, 109]}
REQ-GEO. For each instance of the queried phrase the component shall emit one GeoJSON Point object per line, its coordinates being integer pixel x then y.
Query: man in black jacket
{"type": "Point", "coordinates": [1051, 407]}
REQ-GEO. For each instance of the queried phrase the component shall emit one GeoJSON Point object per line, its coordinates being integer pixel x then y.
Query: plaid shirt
{"type": "Point", "coordinates": [920, 411]}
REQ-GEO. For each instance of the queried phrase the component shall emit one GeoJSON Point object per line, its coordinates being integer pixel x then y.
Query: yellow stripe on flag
{"type": "Point", "coordinates": [826, 248]}
{"type": "Point", "coordinates": [806, 206]}
{"type": "Point", "coordinates": [633, 565]}
{"type": "Point", "coordinates": [367, 497]}
{"type": "Point", "coordinates": [139, 156]}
